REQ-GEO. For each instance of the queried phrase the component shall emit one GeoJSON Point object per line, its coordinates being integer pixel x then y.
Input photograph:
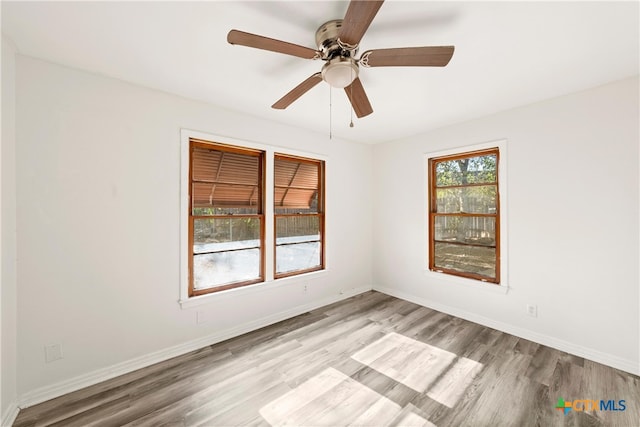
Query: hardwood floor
{"type": "Point", "coordinates": [371, 360]}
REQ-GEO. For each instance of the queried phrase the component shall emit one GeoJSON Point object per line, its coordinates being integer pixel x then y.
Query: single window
{"type": "Point", "coordinates": [226, 217]}
{"type": "Point", "coordinates": [299, 215]}
{"type": "Point", "coordinates": [464, 215]}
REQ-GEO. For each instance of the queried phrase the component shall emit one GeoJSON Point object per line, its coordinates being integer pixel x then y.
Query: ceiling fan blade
{"type": "Point", "coordinates": [358, 98]}
{"type": "Point", "coordinates": [426, 56]}
{"type": "Point", "coordinates": [357, 19]}
{"type": "Point", "coordinates": [297, 92]}
{"type": "Point", "coordinates": [273, 45]}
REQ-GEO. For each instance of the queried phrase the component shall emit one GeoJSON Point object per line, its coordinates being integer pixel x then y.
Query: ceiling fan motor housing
{"type": "Point", "coordinates": [341, 68]}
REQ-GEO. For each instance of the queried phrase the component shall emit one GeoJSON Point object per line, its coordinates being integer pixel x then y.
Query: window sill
{"type": "Point", "coordinates": [186, 303]}
{"type": "Point", "coordinates": [468, 283]}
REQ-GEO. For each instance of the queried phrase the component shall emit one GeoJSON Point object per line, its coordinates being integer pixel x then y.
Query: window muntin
{"type": "Point", "coordinates": [226, 217]}
{"type": "Point", "coordinates": [299, 215]}
{"type": "Point", "coordinates": [464, 217]}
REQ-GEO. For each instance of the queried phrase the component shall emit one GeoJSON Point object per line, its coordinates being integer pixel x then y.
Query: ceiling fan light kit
{"type": "Point", "coordinates": [338, 42]}
{"type": "Point", "coordinates": [340, 72]}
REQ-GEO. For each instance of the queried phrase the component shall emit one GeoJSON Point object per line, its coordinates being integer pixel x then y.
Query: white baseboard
{"type": "Point", "coordinates": [10, 415]}
{"type": "Point", "coordinates": [559, 344]}
{"type": "Point", "coordinates": [55, 390]}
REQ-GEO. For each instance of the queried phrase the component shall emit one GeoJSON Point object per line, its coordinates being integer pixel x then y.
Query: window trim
{"type": "Point", "coordinates": [320, 214]}
{"type": "Point", "coordinates": [444, 277]}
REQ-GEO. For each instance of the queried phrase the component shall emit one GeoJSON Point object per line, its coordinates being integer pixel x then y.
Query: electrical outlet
{"type": "Point", "coordinates": [532, 310]}
{"type": "Point", "coordinates": [52, 352]}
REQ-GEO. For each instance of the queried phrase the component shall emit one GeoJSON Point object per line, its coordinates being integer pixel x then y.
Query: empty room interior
{"type": "Point", "coordinates": [320, 213]}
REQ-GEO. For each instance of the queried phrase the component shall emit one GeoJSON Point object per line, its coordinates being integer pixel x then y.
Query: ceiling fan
{"type": "Point", "coordinates": [338, 42]}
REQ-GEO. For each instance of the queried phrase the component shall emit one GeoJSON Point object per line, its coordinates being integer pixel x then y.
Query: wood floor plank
{"type": "Point", "coordinates": [543, 364]}
{"type": "Point", "coordinates": [102, 394]}
{"type": "Point", "coordinates": [503, 393]}
{"type": "Point", "coordinates": [392, 362]}
{"type": "Point", "coordinates": [410, 417]}
{"type": "Point", "coordinates": [526, 347]}
{"type": "Point", "coordinates": [601, 382]}
{"type": "Point", "coordinates": [382, 384]}
{"type": "Point", "coordinates": [411, 324]}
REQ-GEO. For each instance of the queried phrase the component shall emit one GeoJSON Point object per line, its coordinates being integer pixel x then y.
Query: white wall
{"type": "Point", "coordinates": [8, 365]}
{"type": "Point", "coordinates": [98, 227]}
{"type": "Point", "coordinates": [572, 223]}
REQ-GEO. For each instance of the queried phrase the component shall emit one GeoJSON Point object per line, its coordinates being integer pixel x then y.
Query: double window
{"type": "Point", "coordinates": [464, 215]}
{"type": "Point", "coordinates": [227, 225]}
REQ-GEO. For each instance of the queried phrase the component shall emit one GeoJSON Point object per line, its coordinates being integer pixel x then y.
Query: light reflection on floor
{"type": "Point", "coordinates": [423, 367]}
{"type": "Point", "coordinates": [332, 398]}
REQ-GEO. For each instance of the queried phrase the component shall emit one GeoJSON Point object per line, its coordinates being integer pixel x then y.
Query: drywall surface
{"type": "Point", "coordinates": [98, 187]}
{"type": "Point", "coordinates": [571, 223]}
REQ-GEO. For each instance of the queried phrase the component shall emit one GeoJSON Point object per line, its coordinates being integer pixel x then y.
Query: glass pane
{"type": "Point", "coordinates": [297, 228]}
{"type": "Point", "coordinates": [224, 198]}
{"type": "Point", "coordinates": [223, 234]}
{"type": "Point", "coordinates": [298, 256]}
{"type": "Point", "coordinates": [480, 199]}
{"type": "Point", "coordinates": [296, 185]}
{"type": "Point", "coordinates": [221, 268]}
{"type": "Point", "coordinates": [466, 259]}
{"type": "Point", "coordinates": [298, 245]}
{"type": "Point", "coordinates": [471, 230]}
{"type": "Point", "coordinates": [291, 200]}
{"type": "Point", "coordinates": [295, 173]}
{"type": "Point", "coordinates": [213, 165]}
{"type": "Point", "coordinates": [225, 180]}
{"type": "Point", "coordinates": [471, 170]}
{"type": "Point", "coordinates": [226, 250]}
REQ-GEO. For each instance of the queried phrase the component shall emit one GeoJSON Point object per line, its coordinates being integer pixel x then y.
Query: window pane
{"type": "Point", "coordinates": [226, 250]}
{"type": "Point", "coordinates": [298, 256]}
{"type": "Point", "coordinates": [298, 245]}
{"type": "Point", "coordinates": [295, 173]}
{"type": "Point", "coordinates": [291, 200]}
{"type": "Point", "coordinates": [223, 234]}
{"type": "Point", "coordinates": [222, 268]}
{"type": "Point", "coordinates": [471, 230]}
{"type": "Point", "coordinates": [470, 170]}
{"type": "Point", "coordinates": [224, 198]}
{"type": "Point", "coordinates": [466, 259]}
{"type": "Point", "coordinates": [296, 184]}
{"type": "Point", "coordinates": [222, 179]}
{"type": "Point", "coordinates": [478, 199]}
{"type": "Point", "coordinates": [213, 165]}
{"type": "Point", "coordinates": [305, 227]}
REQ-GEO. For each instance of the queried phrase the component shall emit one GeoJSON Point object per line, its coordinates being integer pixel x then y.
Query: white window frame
{"type": "Point", "coordinates": [447, 279]}
{"type": "Point", "coordinates": [269, 281]}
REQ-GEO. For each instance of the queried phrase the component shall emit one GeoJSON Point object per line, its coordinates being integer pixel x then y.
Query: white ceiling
{"type": "Point", "coordinates": [507, 54]}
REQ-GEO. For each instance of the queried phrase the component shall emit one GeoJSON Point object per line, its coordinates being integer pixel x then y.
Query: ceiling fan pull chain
{"type": "Point", "coordinates": [351, 106]}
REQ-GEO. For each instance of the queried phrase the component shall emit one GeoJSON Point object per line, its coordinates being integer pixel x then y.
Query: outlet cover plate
{"type": "Point", "coordinates": [532, 310]}
{"type": "Point", "coordinates": [52, 352]}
